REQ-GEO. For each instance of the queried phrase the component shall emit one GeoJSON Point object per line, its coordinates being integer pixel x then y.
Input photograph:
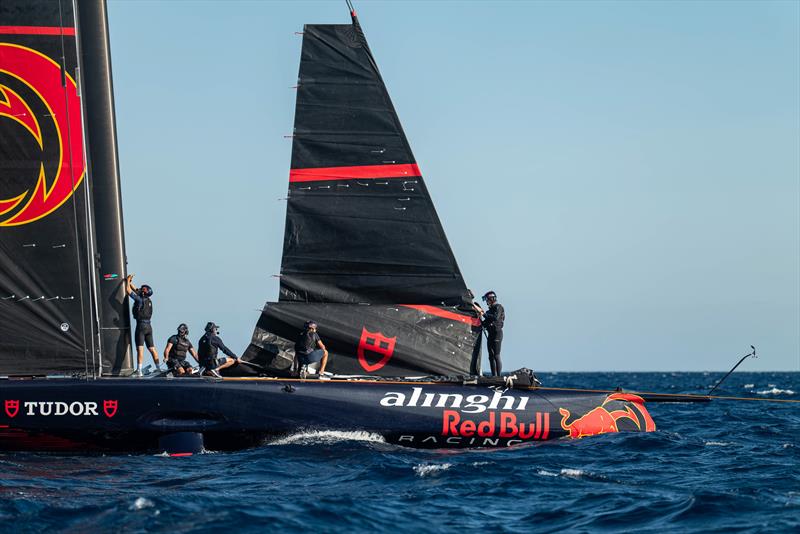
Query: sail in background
{"type": "Point", "coordinates": [58, 314]}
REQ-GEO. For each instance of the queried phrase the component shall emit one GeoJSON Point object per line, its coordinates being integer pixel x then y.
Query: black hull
{"type": "Point", "coordinates": [130, 415]}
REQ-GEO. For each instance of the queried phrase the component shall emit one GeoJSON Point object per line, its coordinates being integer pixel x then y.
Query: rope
{"type": "Point", "coordinates": [684, 395]}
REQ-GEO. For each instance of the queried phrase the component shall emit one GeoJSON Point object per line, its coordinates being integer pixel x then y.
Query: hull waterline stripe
{"type": "Point", "coordinates": [433, 310]}
{"type": "Point", "coordinates": [321, 174]}
{"type": "Point", "coordinates": [36, 30]}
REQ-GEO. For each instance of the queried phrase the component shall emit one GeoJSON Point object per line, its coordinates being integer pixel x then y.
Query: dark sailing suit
{"type": "Point", "coordinates": [306, 348]}
{"type": "Point", "coordinates": [207, 349]}
{"type": "Point", "coordinates": [493, 321]}
{"type": "Point", "coordinates": [143, 313]}
{"type": "Point", "coordinates": [177, 354]}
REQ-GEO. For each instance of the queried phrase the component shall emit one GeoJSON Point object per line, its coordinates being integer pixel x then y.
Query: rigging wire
{"type": "Point", "coordinates": [74, 205]}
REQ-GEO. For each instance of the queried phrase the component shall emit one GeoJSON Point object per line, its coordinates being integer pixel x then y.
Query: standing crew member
{"type": "Point", "coordinates": [493, 320]}
{"type": "Point", "coordinates": [175, 352]}
{"type": "Point", "coordinates": [207, 349]}
{"type": "Point", "coordinates": [309, 348]}
{"type": "Point", "coordinates": [143, 313]}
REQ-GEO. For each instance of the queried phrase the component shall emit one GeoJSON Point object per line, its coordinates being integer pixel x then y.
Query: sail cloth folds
{"type": "Point", "coordinates": [44, 277]}
{"type": "Point", "coordinates": [364, 254]}
{"type": "Point", "coordinates": [360, 224]}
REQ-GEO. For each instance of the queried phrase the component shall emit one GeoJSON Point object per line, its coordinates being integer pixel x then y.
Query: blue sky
{"type": "Point", "coordinates": [626, 175]}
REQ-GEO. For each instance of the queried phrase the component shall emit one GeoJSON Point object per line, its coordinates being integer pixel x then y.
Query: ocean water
{"type": "Point", "coordinates": [727, 466]}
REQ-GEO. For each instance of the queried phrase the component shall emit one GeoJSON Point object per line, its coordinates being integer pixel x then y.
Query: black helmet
{"type": "Point", "coordinates": [183, 330]}
{"type": "Point", "coordinates": [146, 290]}
{"type": "Point", "coordinates": [309, 324]}
{"type": "Point", "coordinates": [489, 295]}
{"type": "Point", "coordinates": [212, 328]}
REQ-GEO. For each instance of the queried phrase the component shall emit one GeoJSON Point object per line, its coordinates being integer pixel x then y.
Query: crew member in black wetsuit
{"type": "Point", "coordinates": [493, 320]}
{"type": "Point", "coordinates": [143, 313]}
{"type": "Point", "coordinates": [207, 349]}
{"type": "Point", "coordinates": [175, 352]}
{"type": "Point", "coordinates": [309, 348]}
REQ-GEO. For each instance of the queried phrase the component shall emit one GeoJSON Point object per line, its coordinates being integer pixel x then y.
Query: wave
{"type": "Point", "coordinates": [717, 444]}
{"type": "Point", "coordinates": [775, 391]}
{"type": "Point", "coordinates": [312, 437]}
{"type": "Point", "coordinates": [141, 503]}
{"type": "Point", "coordinates": [423, 470]}
{"type": "Point", "coordinates": [568, 473]}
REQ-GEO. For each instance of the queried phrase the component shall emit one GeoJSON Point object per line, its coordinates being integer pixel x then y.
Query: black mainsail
{"type": "Point", "coordinates": [61, 242]}
{"type": "Point", "coordinates": [364, 252]}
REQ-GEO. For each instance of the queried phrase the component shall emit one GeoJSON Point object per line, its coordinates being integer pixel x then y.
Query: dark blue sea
{"type": "Point", "coordinates": [727, 466]}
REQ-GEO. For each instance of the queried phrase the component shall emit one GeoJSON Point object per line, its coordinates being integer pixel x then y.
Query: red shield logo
{"type": "Point", "coordinates": [110, 408]}
{"type": "Point", "coordinates": [377, 343]}
{"type": "Point", "coordinates": [12, 408]}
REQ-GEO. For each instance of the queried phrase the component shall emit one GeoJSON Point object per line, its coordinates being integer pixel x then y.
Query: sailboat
{"type": "Point", "coordinates": [365, 256]}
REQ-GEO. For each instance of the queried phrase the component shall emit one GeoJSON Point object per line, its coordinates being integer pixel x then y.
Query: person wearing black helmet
{"type": "Point", "coordinates": [309, 348]}
{"type": "Point", "coordinates": [143, 313]}
{"type": "Point", "coordinates": [175, 352]}
{"type": "Point", "coordinates": [493, 320]}
{"type": "Point", "coordinates": [208, 347]}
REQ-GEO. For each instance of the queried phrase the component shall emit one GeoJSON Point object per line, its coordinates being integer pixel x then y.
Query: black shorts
{"type": "Point", "coordinates": [174, 363]}
{"type": "Point", "coordinates": [144, 335]}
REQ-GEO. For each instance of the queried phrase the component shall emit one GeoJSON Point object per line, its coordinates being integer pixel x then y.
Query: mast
{"type": "Point", "coordinates": [94, 59]}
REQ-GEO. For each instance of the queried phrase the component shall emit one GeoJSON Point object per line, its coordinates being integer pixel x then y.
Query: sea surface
{"type": "Point", "coordinates": [727, 466]}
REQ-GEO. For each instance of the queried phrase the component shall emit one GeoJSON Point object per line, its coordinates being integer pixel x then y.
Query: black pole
{"type": "Point", "coordinates": [94, 60]}
{"type": "Point", "coordinates": [721, 380]}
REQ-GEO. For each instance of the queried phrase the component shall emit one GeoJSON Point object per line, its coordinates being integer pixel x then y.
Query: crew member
{"type": "Point", "coordinates": [207, 349]}
{"type": "Point", "coordinates": [175, 352]}
{"type": "Point", "coordinates": [493, 320]}
{"type": "Point", "coordinates": [143, 313]}
{"type": "Point", "coordinates": [309, 348]}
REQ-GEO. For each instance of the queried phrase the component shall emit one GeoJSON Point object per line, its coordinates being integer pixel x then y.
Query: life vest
{"type": "Point", "coordinates": [143, 311]}
{"type": "Point", "coordinates": [206, 350]}
{"type": "Point", "coordinates": [180, 346]}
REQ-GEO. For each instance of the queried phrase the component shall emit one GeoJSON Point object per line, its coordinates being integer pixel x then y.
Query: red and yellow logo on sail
{"type": "Point", "coordinates": [59, 104]}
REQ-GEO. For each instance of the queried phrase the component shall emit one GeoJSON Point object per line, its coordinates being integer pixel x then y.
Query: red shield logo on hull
{"type": "Point", "coordinates": [12, 408]}
{"type": "Point", "coordinates": [109, 408]}
{"type": "Point", "coordinates": [376, 343]}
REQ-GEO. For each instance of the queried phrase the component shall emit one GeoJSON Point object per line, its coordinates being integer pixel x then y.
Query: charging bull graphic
{"type": "Point", "coordinates": [32, 95]}
{"type": "Point", "coordinates": [604, 419]}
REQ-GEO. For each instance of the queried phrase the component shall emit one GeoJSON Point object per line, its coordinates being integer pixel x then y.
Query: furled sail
{"type": "Point", "coordinates": [53, 315]}
{"type": "Point", "coordinates": [364, 252]}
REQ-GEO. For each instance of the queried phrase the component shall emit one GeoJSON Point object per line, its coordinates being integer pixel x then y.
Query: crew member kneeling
{"type": "Point", "coordinates": [208, 347]}
{"type": "Point", "coordinates": [309, 348]}
{"type": "Point", "coordinates": [175, 352]}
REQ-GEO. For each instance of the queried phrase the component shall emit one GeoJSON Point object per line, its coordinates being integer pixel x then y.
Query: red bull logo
{"type": "Point", "coordinates": [375, 343]}
{"type": "Point", "coordinates": [602, 420]}
{"type": "Point", "coordinates": [37, 85]}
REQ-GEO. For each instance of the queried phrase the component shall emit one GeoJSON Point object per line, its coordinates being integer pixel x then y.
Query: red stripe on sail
{"type": "Point", "coordinates": [36, 30]}
{"type": "Point", "coordinates": [433, 310]}
{"type": "Point", "coordinates": [319, 174]}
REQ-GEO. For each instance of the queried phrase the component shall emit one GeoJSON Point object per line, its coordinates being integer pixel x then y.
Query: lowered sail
{"type": "Point", "coordinates": [51, 310]}
{"type": "Point", "coordinates": [364, 254]}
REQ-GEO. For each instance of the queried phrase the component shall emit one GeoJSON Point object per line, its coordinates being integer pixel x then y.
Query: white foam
{"type": "Point", "coordinates": [477, 464]}
{"type": "Point", "coordinates": [141, 503]}
{"type": "Point", "coordinates": [775, 391]}
{"type": "Point", "coordinates": [573, 473]}
{"type": "Point", "coordinates": [423, 470]}
{"type": "Point", "coordinates": [749, 386]}
{"type": "Point", "coordinates": [327, 437]}
{"type": "Point", "coordinates": [716, 444]}
{"type": "Point", "coordinates": [545, 473]}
